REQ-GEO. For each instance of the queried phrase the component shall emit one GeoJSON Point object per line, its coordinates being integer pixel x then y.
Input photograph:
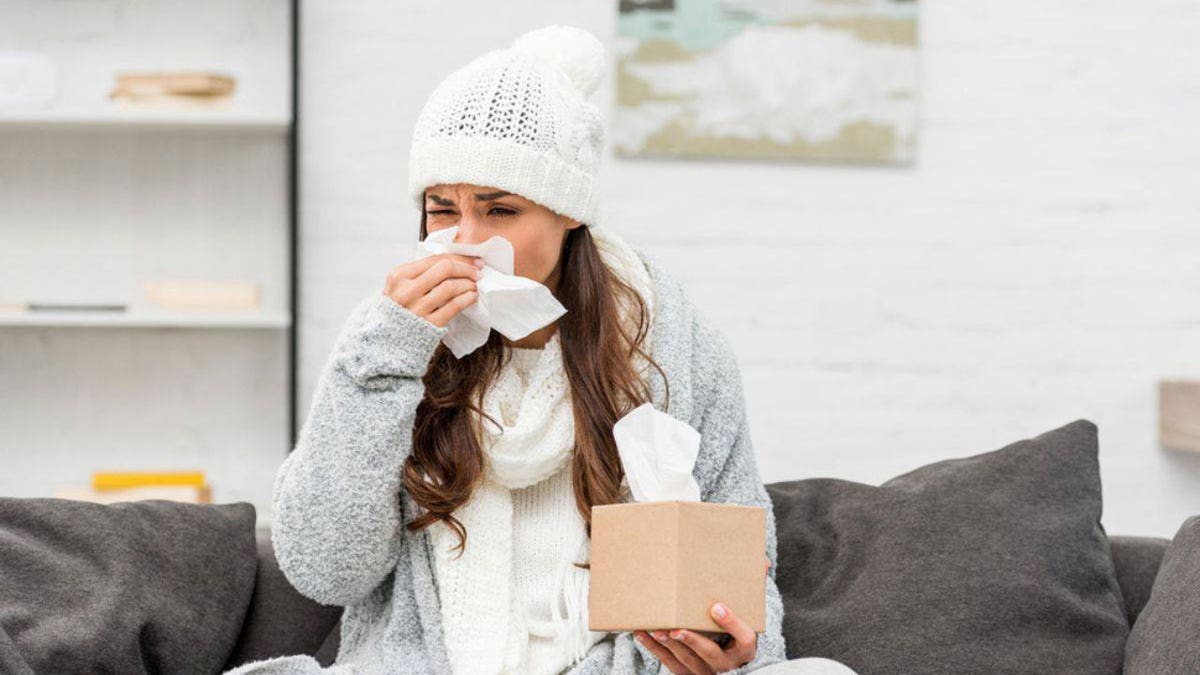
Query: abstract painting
{"type": "Point", "coordinates": [782, 79]}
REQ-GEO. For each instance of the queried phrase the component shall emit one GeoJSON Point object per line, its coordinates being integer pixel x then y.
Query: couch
{"type": "Point", "coordinates": [285, 622]}
{"type": "Point", "coordinates": [988, 563]}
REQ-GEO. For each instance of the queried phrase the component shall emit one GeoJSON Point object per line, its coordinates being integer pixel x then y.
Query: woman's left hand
{"type": "Point", "coordinates": [687, 652]}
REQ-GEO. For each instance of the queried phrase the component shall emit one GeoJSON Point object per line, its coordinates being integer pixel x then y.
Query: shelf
{"type": "Point", "coordinates": [148, 318]}
{"type": "Point", "coordinates": [148, 120]}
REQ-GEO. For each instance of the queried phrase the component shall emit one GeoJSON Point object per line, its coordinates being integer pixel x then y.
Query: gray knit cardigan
{"type": "Point", "coordinates": [339, 524]}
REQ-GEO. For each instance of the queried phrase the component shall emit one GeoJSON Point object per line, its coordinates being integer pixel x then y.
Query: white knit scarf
{"type": "Point", "coordinates": [482, 623]}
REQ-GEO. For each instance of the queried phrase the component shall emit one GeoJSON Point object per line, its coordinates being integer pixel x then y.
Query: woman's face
{"type": "Point", "coordinates": [481, 212]}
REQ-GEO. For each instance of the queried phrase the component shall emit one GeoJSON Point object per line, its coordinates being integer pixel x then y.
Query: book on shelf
{"type": "Point", "coordinates": [29, 307]}
{"type": "Point", "coordinates": [117, 480]}
{"type": "Point", "coordinates": [173, 90]}
{"type": "Point", "coordinates": [176, 83]}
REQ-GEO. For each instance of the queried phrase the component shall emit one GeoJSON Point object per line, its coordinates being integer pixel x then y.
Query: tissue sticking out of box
{"type": "Point", "coordinates": [513, 305]}
{"type": "Point", "coordinates": [658, 453]}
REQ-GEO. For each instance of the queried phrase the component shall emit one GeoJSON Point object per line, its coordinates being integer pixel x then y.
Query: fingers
{"type": "Point", "coordinates": [684, 654]}
{"type": "Point", "coordinates": [442, 315]}
{"type": "Point", "coordinates": [745, 641]}
{"type": "Point", "coordinates": [438, 272]}
{"type": "Point", "coordinates": [441, 294]}
{"type": "Point", "coordinates": [704, 648]}
{"type": "Point", "coordinates": [435, 287]}
{"type": "Point", "coordinates": [660, 651]}
{"type": "Point", "coordinates": [414, 268]}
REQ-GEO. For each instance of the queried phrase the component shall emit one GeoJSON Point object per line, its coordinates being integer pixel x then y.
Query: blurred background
{"type": "Point", "coordinates": [929, 229]}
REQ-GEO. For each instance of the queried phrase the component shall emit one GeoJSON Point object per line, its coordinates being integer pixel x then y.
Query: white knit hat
{"type": "Point", "coordinates": [518, 119]}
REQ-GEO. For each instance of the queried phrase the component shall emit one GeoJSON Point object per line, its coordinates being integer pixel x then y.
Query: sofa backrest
{"type": "Point", "coordinates": [1137, 560]}
{"type": "Point", "coordinates": [281, 621]}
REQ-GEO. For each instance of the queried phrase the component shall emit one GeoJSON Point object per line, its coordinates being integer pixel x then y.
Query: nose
{"type": "Point", "coordinates": [470, 230]}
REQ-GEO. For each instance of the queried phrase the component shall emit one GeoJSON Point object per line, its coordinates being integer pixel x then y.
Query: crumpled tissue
{"type": "Point", "coordinates": [513, 305]}
{"type": "Point", "coordinates": [658, 453]}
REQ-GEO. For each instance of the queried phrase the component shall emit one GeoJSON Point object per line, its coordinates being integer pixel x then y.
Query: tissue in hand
{"type": "Point", "coordinates": [513, 305]}
{"type": "Point", "coordinates": [661, 561]}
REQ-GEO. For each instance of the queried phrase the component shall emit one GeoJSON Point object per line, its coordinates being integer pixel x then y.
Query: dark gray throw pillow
{"type": "Point", "coordinates": [1165, 639]}
{"type": "Point", "coordinates": [994, 563]}
{"type": "Point", "coordinates": [150, 586]}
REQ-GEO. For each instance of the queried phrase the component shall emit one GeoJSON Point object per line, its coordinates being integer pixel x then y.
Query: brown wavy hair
{"type": "Point", "coordinates": [447, 459]}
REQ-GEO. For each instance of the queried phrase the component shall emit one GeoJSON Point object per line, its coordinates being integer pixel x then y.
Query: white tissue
{"type": "Point", "coordinates": [658, 453]}
{"type": "Point", "coordinates": [515, 306]}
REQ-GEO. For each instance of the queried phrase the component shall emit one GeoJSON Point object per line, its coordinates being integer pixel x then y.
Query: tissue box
{"type": "Point", "coordinates": [661, 564]}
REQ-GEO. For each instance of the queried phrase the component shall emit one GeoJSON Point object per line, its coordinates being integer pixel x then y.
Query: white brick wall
{"type": "Point", "coordinates": [1037, 265]}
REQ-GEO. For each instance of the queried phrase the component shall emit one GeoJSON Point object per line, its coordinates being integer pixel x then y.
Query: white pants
{"type": "Point", "coordinates": [806, 666]}
{"type": "Point", "coordinates": [307, 665]}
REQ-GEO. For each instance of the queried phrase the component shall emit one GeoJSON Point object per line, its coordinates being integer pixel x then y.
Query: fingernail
{"type": "Point", "coordinates": [678, 634]}
{"type": "Point", "coordinates": [658, 635]}
{"type": "Point", "coordinates": [479, 262]}
{"type": "Point", "coordinates": [719, 610]}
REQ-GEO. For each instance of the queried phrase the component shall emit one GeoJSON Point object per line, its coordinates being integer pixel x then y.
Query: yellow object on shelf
{"type": "Point", "coordinates": [118, 480]}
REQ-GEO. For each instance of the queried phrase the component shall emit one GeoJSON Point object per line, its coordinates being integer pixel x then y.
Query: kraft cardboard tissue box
{"type": "Point", "coordinates": [663, 559]}
{"type": "Point", "coordinates": [662, 565]}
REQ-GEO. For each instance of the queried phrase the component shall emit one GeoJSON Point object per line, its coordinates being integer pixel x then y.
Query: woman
{"type": "Point", "coordinates": [445, 502]}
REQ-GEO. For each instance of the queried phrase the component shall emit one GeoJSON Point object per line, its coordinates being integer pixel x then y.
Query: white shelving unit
{"type": "Point", "coordinates": [141, 120]}
{"type": "Point", "coordinates": [149, 318]}
{"type": "Point", "coordinates": [94, 200]}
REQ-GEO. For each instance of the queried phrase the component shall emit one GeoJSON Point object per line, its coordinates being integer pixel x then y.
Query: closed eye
{"type": "Point", "coordinates": [499, 212]}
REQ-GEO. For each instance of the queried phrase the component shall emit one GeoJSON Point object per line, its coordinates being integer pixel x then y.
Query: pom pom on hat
{"type": "Point", "coordinates": [574, 50]}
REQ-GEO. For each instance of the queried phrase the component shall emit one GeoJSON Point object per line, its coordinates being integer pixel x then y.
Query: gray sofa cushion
{"type": "Point", "coordinates": [150, 586]}
{"type": "Point", "coordinates": [1166, 637]}
{"type": "Point", "coordinates": [994, 563]}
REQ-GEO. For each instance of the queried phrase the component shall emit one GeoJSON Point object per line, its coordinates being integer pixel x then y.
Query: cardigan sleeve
{"type": "Point", "coordinates": [736, 480]}
{"type": "Point", "coordinates": [336, 497]}
{"type": "Point", "coordinates": [741, 467]}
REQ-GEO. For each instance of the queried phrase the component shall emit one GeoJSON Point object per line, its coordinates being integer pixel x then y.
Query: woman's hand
{"type": "Point", "coordinates": [436, 287]}
{"type": "Point", "coordinates": [684, 651]}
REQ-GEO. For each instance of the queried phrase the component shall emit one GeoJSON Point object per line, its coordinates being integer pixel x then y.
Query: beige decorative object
{"type": "Point", "coordinates": [206, 295]}
{"type": "Point", "coordinates": [173, 90]}
{"type": "Point", "coordinates": [1179, 414]}
{"type": "Point", "coordinates": [187, 83]}
{"type": "Point", "coordinates": [193, 494]}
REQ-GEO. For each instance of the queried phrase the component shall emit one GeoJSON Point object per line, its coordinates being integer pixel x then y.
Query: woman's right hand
{"type": "Point", "coordinates": [436, 287]}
